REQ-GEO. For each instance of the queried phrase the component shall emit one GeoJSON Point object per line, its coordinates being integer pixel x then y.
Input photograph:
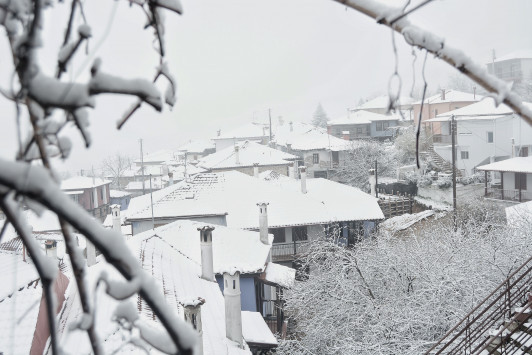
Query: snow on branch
{"type": "Point", "coordinates": [36, 183]}
{"type": "Point", "coordinates": [415, 36]}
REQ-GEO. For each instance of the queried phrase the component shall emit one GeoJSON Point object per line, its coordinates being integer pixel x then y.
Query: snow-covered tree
{"type": "Point", "coordinates": [47, 103]}
{"type": "Point", "coordinates": [398, 294]}
{"type": "Point", "coordinates": [361, 157]}
{"type": "Point", "coordinates": [115, 166]}
{"type": "Point", "coordinates": [319, 119]}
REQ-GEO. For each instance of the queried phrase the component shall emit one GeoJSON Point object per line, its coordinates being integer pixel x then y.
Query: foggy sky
{"type": "Point", "coordinates": [234, 60]}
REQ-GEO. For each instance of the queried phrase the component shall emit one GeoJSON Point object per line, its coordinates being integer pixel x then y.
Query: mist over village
{"type": "Point", "coordinates": [280, 177]}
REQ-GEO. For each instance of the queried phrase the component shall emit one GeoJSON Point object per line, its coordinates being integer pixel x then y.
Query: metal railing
{"type": "Point", "coordinates": [288, 251]}
{"type": "Point", "coordinates": [496, 315]}
{"type": "Point", "coordinates": [272, 312]}
{"type": "Point", "coordinates": [508, 195]}
{"type": "Point", "coordinates": [441, 138]}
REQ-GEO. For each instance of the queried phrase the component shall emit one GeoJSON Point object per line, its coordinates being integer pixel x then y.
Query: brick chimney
{"type": "Point", "coordinates": [263, 222]}
{"type": "Point", "coordinates": [233, 308]}
{"type": "Point", "coordinates": [303, 171]}
{"type": "Point", "coordinates": [207, 265]}
{"type": "Point", "coordinates": [192, 313]}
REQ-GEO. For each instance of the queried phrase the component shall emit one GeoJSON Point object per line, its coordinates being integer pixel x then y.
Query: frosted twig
{"type": "Point", "coordinates": [70, 22]}
{"type": "Point", "coordinates": [415, 8]}
{"type": "Point", "coordinates": [4, 228]}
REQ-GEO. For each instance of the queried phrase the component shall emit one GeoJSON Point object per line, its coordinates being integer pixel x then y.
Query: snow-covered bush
{"type": "Point", "coordinates": [390, 295]}
{"type": "Point", "coordinates": [472, 179]}
{"type": "Point", "coordinates": [444, 183]}
{"type": "Point", "coordinates": [424, 180]}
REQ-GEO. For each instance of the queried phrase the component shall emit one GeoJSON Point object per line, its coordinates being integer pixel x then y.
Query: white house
{"type": "Point", "coordinates": [485, 134]}
{"type": "Point", "coordinates": [256, 132]}
{"type": "Point", "coordinates": [248, 157]}
{"type": "Point", "coordinates": [363, 124]}
{"type": "Point", "coordinates": [513, 181]}
{"type": "Point", "coordinates": [380, 104]}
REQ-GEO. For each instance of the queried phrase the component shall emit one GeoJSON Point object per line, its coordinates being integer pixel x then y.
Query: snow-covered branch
{"type": "Point", "coordinates": [421, 38]}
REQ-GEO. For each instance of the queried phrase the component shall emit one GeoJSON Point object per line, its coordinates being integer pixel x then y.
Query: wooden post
{"type": "Point", "coordinates": [485, 183]}
{"type": "Point", "coordinates": [502, 185]}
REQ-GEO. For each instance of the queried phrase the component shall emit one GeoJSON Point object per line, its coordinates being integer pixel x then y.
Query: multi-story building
{"type": "Point", "coordinates": [90, 192]}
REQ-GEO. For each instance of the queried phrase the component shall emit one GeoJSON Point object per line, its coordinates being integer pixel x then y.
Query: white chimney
{"type": "Point", "coordinates": [237, 155]}
{"type": "Point", "coordinates": [117, 223]}
{"type": "Point", "coordinates": [192, 313]}
{"type": "Point", "coordinates": [233, 310]}
{"type": "Point", "coordinates": [256, 170]}
{"type": "Point", "coordinates": [372, 181]}
{"type": "Point", "coordinates": [207, 265]}
{"type": "Point", "coordinates": [303, 171]}
{"type": "Point", "coordinates": [263, 222]}
{"type": "Point", "coordinates": [291, 126]}
{"type": "Point", "coordinates": [51, 248]}
{"type": "Point", "coordinates": [170, 178]}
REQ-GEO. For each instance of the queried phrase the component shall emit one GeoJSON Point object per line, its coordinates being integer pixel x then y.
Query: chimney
{"type": "Point", "coordinates": [218, 133]}
{"type": "Point", "coordinates": [372, 182]}
{"type": "Point", "coordinates": [291, 126]}
{"type": "Point", "coordinates": [207, 265]}
{"type": "Point", "coordinates": [192, 313]}
{"type": "Point", "coordinates": [289, 147]}
{"type": "Point", "coordinates": [303, 171]}
{"type": "Point", "coordinates": [263, 222]}
{"type": "Point", "coordinates": [115, 211]}
{"type": "Point", "coordinates": [51, 248]}
{"type": "Point", "coordinates": [233, 310]}
{"type": "Point", "coordinates": [256, 170]}
{"type": "Point", "coordinates": [443, 94]}
{"type": "Point", "coordinates": [237, 155]}
{"type": "Point", "coordinates": [170, 178]}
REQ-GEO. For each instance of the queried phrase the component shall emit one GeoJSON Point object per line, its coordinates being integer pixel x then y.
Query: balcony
{"type": "Point", "coordinates": [508, 195]}
{"type": "Point", "coordinates": [288, 251]}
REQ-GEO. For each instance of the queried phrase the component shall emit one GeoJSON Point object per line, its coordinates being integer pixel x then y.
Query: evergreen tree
{"type": "Point", "coordinates": [320, 117]}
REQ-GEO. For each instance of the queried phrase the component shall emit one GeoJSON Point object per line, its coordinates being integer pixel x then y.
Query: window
{"type": "Point", "coordinates": [523, 152]}
{"type": "Point", "coordinates": [520, 181]}
{"type": "Point", "coordinates": [464, 154]}
{"type": "Point", "coordinates": [359, 130]}
{"type": "Point", "coordinates": [435, 112]}
{"type": "Point", "coordinates": [316, 158]}
{"type": "Point", "coordinates": [383, 126]}
{"type": "Point", "coordinates": [299, 233]}
{"type": "Point", "coordinates": [490, 137]}
{"type": "Point", "coordinates": [279, 235]}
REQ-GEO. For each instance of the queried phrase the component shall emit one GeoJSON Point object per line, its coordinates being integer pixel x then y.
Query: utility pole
{"type": "Point", "coordinates": [376, 181]}
{"type": "Point", "coordinates": [453, 143]}
{"type": "Point", "coordinates": [270, 116]}
{"type": "Point", "coordinates": [151, 203]}
{"type": "Point", "coordinates": [142, 166]}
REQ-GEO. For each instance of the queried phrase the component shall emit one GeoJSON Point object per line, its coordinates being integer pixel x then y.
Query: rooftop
{"type": "Point", "coordinates": [451, 96]}
{"type": "Point", "coordinates": [515, 165]}
{"type": "Point", "coordinates": [197, 146]}
{"type": "Point", "coordinates": [522, 54]}
{"type": "Point", "coordinates": [303, 137]}
{"type": "Point", "coordinates": [82, 182]}
{"type": "Point", "coordinates": [362, 117]}
{"type": "Point", "coordinates": [249, 154]}
{"type": "Point", "coordinates": [383, 101]}
{"type": "Point", "coordinates": [248, 130]}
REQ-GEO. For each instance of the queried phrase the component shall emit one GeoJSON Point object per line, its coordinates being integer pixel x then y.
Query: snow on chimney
{"type": "Point", "coordinates": [192, 313]}
{"type": "Point", "coordinates": [443, 94]}
{"type": "Point", "coordinates": [237, 155]}
{"type": "Point", "coordinates": [233, 310]}
{"type": "Point", "coordinates": [303, 170]}
{"type": "Point", "coordinates": [170, 178]}
{"type": "Point", "coordinates": [207, 265]}
{"type": "Point", "coordinates": [372, 181]}
{"type": "Point", "coordinates": [263, 222]}
{"type": "Point", "coordinates": [115, 211]}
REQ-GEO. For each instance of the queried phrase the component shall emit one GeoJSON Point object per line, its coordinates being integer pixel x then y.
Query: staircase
{"type": "Point", "coordinates": [500, 324]}
{"type": "Point", "coordinates": [442, 164]}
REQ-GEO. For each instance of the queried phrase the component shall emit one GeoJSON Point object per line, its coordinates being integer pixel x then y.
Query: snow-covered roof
{"type": "Point", "coordinates": [47, 222]}
{"type": "Point", "coordinates": [156, 183]}
{"type": "Point", "coordinates": [279, 275]}
{"type": "Point", "coordinates": [521, 54]}
{"type": "Point", "coordinates": [269, 175]}
{"type": "Point", "coordinates": [383, 102]}
{"type": "Point", "coordinates": [362, 117]}
{"type": "Point", "coordinates": [227, 246]}
{"type": "Point", "coordinates": [520, 214]}
{"type": "Point", "coordinates": [303, 137]}
{"type": "Point", "coordinates": [159, 156]}
{"type": "Point", "coordinates": [516, 165]}
{"type": "Point", "coordinates": [82, 182]}
{"type": "Point", "coordinates": [249, 153]}
{"type": "Point", "coordinates": [482, 110]}
{"type": "Point", "coordinates": [118, 193]}
{"type": "Point", "coordinates": [248, 130]}
{"type": "Point", "coordinates": [451, 96]}
{"type": "Point", "coordinates": [325, 202]}
{"type": "Point", "coordinates": [197, 146]}
{"type": "Point", "coordinates": [178, 277]}
{"type": "Point", "coordinates": [255, 330]}
{"type": "Point", "coordinates": [405, 221]}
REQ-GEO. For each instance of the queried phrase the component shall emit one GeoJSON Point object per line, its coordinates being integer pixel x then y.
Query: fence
{"type": "Point", "coordinates": [395, 204]}
{"type": "Point", "coordinates": [288, 251]}
{"type": "Point", "coordinates": [508, 195]}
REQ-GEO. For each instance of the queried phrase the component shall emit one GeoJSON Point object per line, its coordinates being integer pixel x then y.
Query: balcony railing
{"type": "Point", "coordinates": [288, 251]}
{"type": "Point", "coordinates": [508, 195]}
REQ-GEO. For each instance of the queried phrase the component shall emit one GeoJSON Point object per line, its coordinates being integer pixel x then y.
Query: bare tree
{"type": "Point", "coordinates": [115, 166]}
